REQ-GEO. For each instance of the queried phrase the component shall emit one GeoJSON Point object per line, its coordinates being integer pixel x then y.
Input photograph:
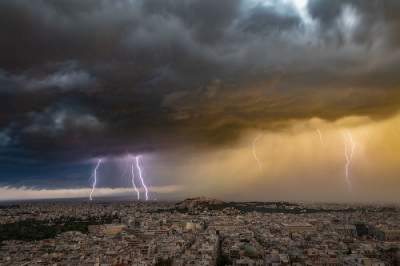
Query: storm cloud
{"type": "Point", "coordinates": [80, 79]}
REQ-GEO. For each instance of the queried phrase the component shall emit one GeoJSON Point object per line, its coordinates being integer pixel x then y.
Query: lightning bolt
{"type": "Point", "coordinates": [256, 139]}
{"type": "Point", "coordinates": [141, 177]}
{"type": "Point", "coordinates": [133, 180]}
{"type": "Point", "coordinates": [349, 148]}
{"type": "Point", "coordinates": [95, 178]}
{"type": "Point", "coordinates": [320, 136]}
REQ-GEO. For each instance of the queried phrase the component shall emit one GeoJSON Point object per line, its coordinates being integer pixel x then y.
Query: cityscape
{"type": "Point", "coordinates": [198, 231]}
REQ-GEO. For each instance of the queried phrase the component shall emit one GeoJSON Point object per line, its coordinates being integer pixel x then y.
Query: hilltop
{"type": "Point", "coordinates": [191, 203]}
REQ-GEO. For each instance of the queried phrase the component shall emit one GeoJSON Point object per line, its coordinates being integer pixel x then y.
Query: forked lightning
{"type": "Point", "coordinates": [349, 148]}
{"type": "Point", "coordinates": [99, 161]}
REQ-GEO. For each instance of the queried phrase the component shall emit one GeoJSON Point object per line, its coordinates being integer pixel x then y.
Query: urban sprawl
{"type": "Point", "coordinates": [198, 231]}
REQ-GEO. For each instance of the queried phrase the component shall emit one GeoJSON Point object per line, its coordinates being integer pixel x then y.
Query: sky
{"type": "Point", "coordinates": [294, 100]}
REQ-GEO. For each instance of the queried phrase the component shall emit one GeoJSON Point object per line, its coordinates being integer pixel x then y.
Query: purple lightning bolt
{"type": "Point", "coordinates": [133, 181]}
{"type": "Point", "coordinates": [94, 178]}
{"type": "Point", "coordinates": [141, 177]}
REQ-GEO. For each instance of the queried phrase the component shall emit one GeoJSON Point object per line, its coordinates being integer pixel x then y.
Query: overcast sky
{"type": "Point", "coordinates": [246, 100]}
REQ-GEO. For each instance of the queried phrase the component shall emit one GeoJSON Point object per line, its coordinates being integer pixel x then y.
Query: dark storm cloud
{"type": "Point", "coordinates": [83, 78]}
{"type": "Point", "coordinates": [376, 16]}
{"type": "Point", "coordinates": [5, 138]}
{"type": "Point", "coordinates": [63, 76]}
{"type": "Point", "coordinates": [266, 19]}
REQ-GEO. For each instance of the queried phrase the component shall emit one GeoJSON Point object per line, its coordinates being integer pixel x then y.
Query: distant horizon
{"type": "Point", "coordinates": [131, 198]}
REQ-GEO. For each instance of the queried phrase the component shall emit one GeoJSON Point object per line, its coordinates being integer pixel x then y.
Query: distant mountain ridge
{"type": "Point", "coordinates": [191, 203]}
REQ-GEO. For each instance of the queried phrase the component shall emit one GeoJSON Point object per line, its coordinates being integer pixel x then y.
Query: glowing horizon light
{"type": "Point", "coordinates": [133, 181]}
{"type": "Point", "coordinates": [95, 178]}
{"type": "Point", "coordinates": [348, 153]}
{"type": "Point", "coordinates": [141, 177]}
{"type": "Point", "coordinates": [256, 139]}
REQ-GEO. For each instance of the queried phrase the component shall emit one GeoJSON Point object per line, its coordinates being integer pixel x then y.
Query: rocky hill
{"type": "Point", "coordinates": [192, 203]}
